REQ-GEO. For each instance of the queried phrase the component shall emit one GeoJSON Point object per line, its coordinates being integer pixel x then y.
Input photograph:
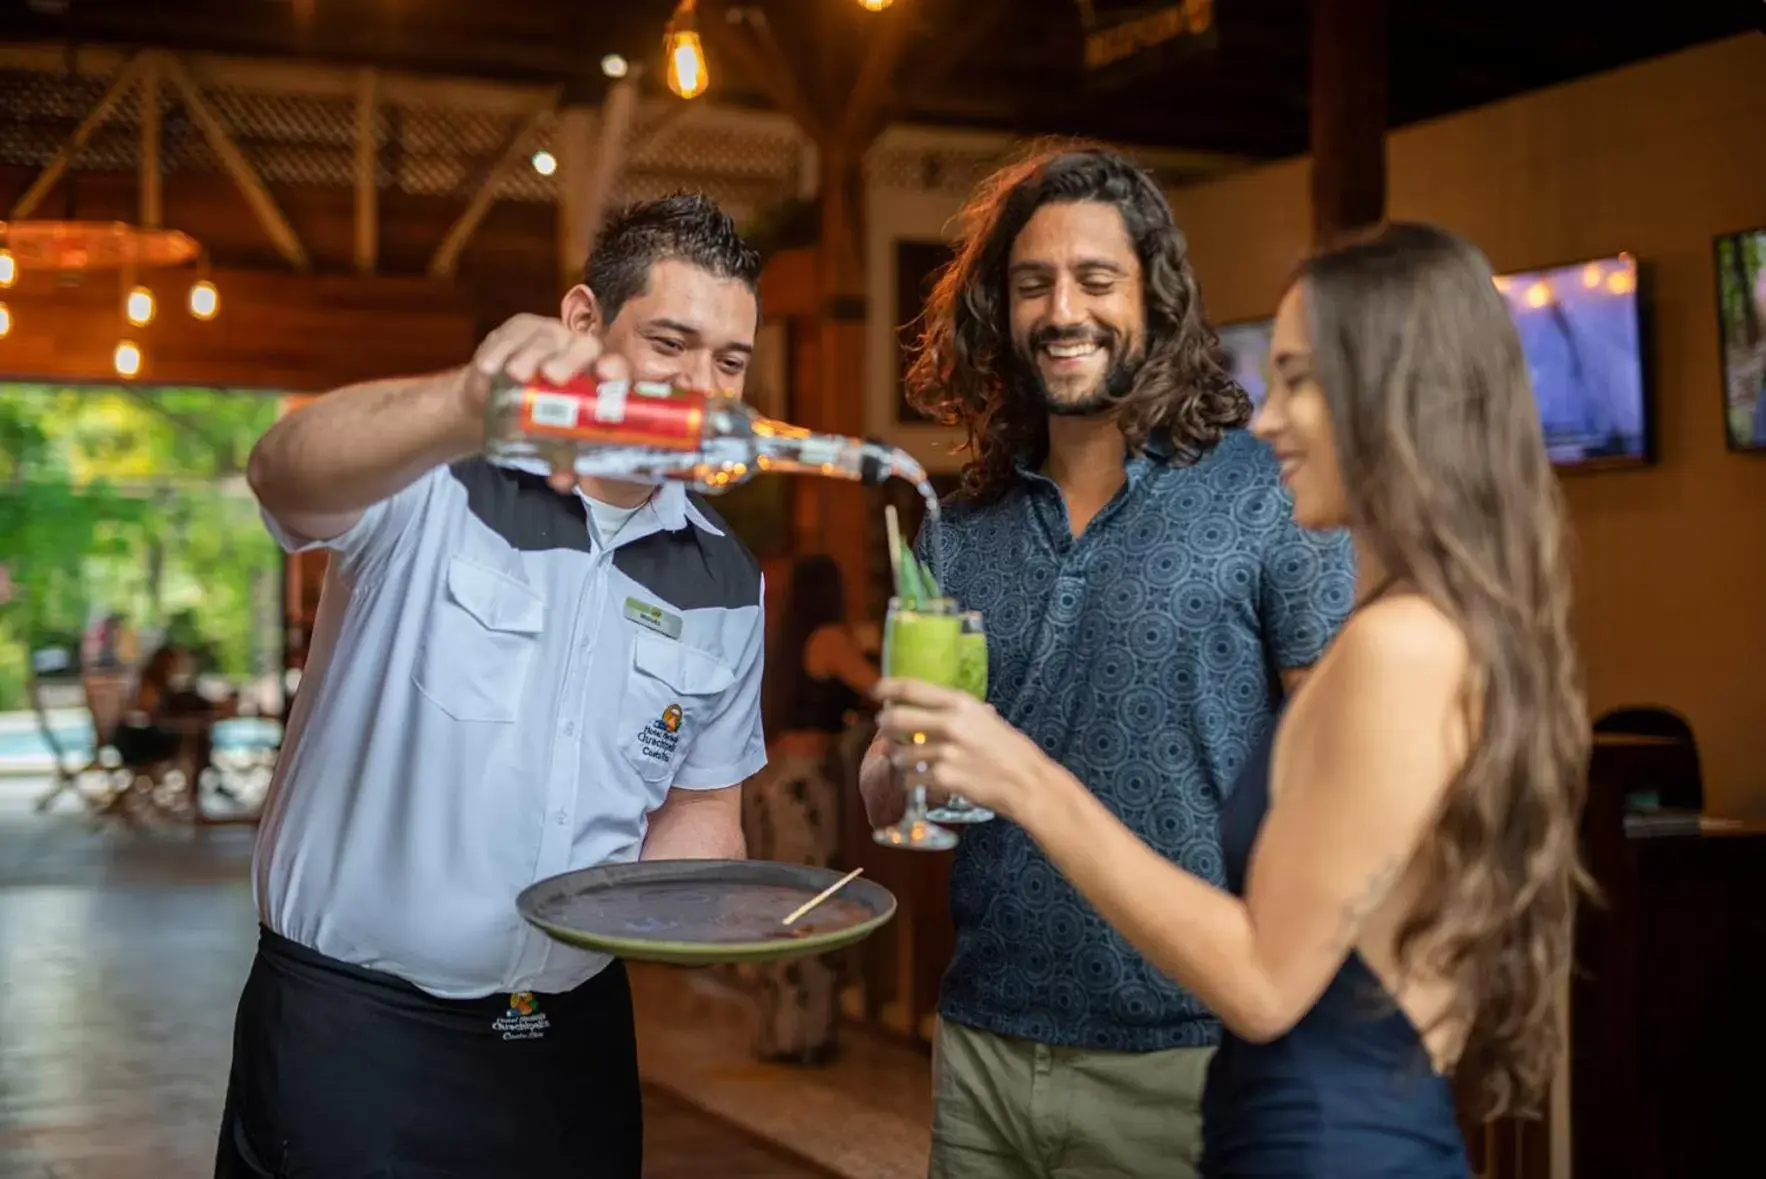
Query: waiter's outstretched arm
{"type": "Point", "coordinates": [318, 469]}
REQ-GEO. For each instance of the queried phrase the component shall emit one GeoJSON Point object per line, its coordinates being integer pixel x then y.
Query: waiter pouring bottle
{"type": "Point", "coordinates": [511, 677]}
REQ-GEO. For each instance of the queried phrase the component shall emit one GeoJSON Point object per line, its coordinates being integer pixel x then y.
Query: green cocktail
{"type": "Point", "coordinates": [972, 664]}
{"type": "Point", "coordinates": [921, 646]}
{"type": "Point", "coordinates": [921, 641]}
{"type": "Point", "coordinates": [971, 678]}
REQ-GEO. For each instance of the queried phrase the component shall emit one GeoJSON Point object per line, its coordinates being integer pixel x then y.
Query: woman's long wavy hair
{"type": "Point", "coordinates": [1438, 438]}
{"type": "Point", "coordinates": [962, 371]}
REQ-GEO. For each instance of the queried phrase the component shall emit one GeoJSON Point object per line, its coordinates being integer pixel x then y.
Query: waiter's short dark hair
{"type": "Point", "coordinates": [684, 226]}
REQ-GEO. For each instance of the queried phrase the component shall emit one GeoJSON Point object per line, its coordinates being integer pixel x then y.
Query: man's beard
{"type": "Point", "coordinates": [1116, 383]}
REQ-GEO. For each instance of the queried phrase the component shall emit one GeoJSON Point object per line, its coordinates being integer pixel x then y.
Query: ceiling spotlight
{"type": "Point", "coordinates": [614, 66]}
{"type": "Point", "coordinates": [544, 162]}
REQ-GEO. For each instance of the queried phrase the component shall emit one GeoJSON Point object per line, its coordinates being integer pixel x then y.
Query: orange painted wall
{"type": "Point", "coordinates": [1655, 159]}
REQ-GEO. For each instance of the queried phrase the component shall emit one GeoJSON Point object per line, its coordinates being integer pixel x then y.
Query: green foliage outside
{"type": "Point", "coordinates": [1739, 262]}
{"type": "Point", "coordinates": [132, 501]}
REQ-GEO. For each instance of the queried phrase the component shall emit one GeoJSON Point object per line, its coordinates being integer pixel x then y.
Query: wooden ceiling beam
{"type": "Point", "coordinates": [447, 255]}
{"type": "Point", "coordinates": [292, 78]}
{"type": "Point", "coordinates": [866, 114]}
{"type": "Point", "coordinates": [251, 185]}
{"type": "Point", "coordinates": [761, 62]}
{"type": "Point", "coordinates": [950, 52]}
{"type": "Point", "coordinates": [126, 75]}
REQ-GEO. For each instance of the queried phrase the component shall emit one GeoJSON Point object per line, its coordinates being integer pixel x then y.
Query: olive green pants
{"type": "Point", "coordinates": [1012, 1109]}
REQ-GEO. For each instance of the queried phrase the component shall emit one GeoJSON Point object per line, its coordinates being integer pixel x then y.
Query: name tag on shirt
{"type": "Point", "coordinates": [653, 617]}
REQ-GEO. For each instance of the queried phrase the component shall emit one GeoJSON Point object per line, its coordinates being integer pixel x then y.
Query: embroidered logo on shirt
{"type": "Point", "coordinates": [661, 737]}
{"type": "Point", "coordinates": [523, 1020]}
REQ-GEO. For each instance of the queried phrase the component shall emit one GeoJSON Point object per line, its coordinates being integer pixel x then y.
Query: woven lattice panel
{"type": "Point", "coordinates": [718, 151]}
{"type": "Point", "coordinates": [522, 182]}
{"type": "Point", "coordinates": [930, 170]}
{"type": "Point", "coordinates": [288, 139]}
{"type": "Point", "coordinates": [438, 151]}
{"type": "Point", "coordinates": [42, 110]}
{"type": "Point", "coordinates": [958, 171]}
{"type": "Point", "coordinates": [742, 200]}
{"type": "Point", "coordinates": [442, 151]}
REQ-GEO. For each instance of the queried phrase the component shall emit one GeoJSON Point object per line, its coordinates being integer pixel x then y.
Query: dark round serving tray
{"type": "Point", "coordinates": [700, 912]}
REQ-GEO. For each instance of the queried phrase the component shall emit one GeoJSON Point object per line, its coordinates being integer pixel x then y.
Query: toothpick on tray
{"type": "Point", "coordinates": [821, 896]}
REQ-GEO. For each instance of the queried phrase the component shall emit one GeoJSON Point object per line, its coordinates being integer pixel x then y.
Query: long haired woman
{"type": "Point", "coordinates": [1401, 851]}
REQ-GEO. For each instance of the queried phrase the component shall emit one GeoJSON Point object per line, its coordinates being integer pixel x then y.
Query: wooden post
{"type": "Point", "coordinates": [845, 520]}
{"type": "Point", "coordinates": [367, 172]}
{"type": "Point", "coordinates": [573, 141]}
{"type": "Point", "coordinates": [1349, 69]}
{"type": "Point", "coordinates": [151, 175]}
{"type": "Point", "coordinates": [618, 111]}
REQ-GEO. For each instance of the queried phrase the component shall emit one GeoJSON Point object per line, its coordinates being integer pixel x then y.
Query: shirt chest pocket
{"type": "Point", "coordinates": [670, 691]}
{"type": "Point", "coordinates": [483, 634]}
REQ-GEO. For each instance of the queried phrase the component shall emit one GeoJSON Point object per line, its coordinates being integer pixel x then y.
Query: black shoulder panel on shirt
{"type": "Point", "coordinates": [693, 569]}
{"type": "Point", "coordinates": [521, 509]}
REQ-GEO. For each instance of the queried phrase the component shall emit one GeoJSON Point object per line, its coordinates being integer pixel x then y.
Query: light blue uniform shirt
{"type": "Point", "coordinates": [494, 695]}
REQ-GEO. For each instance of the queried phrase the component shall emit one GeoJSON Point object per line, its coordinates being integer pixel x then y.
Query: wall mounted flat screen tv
{"type": "Point", "coordinates": [1581, 329]}
{"type": "Point", "coordinates": [1741, 317]}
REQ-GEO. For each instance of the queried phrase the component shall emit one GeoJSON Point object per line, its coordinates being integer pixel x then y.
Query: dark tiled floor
{"type": "Point", "coordinates": [121, 957]}
{"type": "Point", "coordinates": [681, 1141]}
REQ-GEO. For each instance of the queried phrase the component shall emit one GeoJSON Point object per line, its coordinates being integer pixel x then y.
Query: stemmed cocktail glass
{"type": "Point", "coordinates": [971, 678]}
{"type": "Point", "coordinates": [922, 641]}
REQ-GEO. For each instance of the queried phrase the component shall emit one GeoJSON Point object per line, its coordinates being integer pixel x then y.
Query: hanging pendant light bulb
{"type": "Point", "coordinates": [687, 75]}
{"type": "Point", "coordinates": [205, 300]}
{"type": "Point", "coordinates": [127, 359]}
{"type": "Point", "coordinates": [875, 5]}
{"type": "Point", "coordinates": [139, 307]}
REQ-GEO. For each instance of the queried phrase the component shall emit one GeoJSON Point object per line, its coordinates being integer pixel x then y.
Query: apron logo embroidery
{"type": "Point", "coordinates": [661, 737]}
{"type": "Point", "coordinates": [523, 1020]}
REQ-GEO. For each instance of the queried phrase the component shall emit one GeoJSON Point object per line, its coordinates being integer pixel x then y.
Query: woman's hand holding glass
{"type": "Point", "coordinates": [920, 639]}
{"type": "Point", "coordinates": [964, 746]}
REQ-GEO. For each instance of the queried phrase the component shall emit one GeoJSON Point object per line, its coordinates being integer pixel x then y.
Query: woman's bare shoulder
{"type": "Point", "coordinates": [1405, 635]}
{"type": "Point", "coordinates": [1398, 662]}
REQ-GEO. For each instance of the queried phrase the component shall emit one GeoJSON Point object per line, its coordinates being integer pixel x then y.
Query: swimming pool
{"type": "Point", "coordinates": [23, 742]}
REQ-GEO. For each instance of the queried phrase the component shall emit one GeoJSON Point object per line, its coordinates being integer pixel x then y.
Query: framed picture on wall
{"type": "Point", "coordinates": [917, 264]}
{"type": "Point", "coordinates": [1741, 321]}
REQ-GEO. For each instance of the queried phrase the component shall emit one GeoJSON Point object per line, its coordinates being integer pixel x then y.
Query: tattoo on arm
{"type": "Point", "coordinates": [1373, 895]}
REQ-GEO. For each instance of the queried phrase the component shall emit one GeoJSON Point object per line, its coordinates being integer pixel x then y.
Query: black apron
{"type": "Point", "coordinates": [342, 1072]}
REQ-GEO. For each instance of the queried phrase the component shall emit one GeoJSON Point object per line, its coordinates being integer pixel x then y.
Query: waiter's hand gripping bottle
{"type": "Point", "coordinates": [649, 432]}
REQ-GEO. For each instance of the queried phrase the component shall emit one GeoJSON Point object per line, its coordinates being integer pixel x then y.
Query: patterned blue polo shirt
{"type": "Point", "coordinates": [1143, 656]}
